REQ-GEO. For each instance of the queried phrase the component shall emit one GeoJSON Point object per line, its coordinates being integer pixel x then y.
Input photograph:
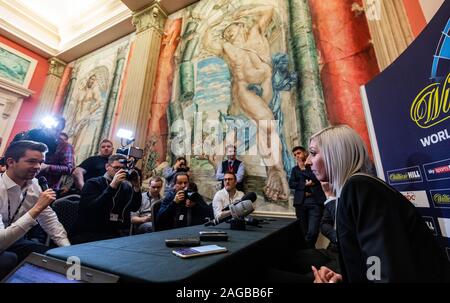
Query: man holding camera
{"type": "Point", "coordinates": [106, 202]}
{"type": "Point", "coordinates": [62, 161]}
{"type": "Point", "coordinates": [182, 206]}
{"type": "Point", "coordinates": [180, 166]}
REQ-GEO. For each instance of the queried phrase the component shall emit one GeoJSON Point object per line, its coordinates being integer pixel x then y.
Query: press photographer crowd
{"type": "Point", "coordinates": [40, 182]}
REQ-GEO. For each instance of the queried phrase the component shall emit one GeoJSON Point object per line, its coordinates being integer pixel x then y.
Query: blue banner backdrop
{"type": "Point", "coordinates": [408, 114]}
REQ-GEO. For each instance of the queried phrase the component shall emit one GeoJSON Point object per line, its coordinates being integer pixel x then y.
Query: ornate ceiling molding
{"type": "Point", "coordinates": [21, 22]}
{"type": "Point", "coordinates": [99, 24]}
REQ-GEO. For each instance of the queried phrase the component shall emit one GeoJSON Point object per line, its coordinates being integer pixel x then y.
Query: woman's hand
{"type": "Point", "coordinates": [325, 275]}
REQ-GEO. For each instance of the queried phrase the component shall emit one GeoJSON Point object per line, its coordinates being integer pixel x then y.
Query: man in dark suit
{"type": "Point", "coordinates": [308, 197]}
{"type": "Point", "coordinates": [232, 165]}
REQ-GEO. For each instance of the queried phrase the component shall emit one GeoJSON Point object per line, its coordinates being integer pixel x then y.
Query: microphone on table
{"type": "Point", "coordinates": [249, 196]}
{"type": "Point", "coordinates": [238, 211]}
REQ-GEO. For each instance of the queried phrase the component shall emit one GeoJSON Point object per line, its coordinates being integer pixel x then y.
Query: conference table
{"type": "Point", "coordinates": [146, 258]}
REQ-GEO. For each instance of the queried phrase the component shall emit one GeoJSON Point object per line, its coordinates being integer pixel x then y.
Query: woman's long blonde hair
{"type": "Point", "coordinates": [344, 154]}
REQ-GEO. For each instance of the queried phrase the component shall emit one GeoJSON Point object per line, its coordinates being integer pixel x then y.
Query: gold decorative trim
{"type": "Point", "coordinates": [56, 67]}
{"type": "Point", "coordinates": [153, 16]}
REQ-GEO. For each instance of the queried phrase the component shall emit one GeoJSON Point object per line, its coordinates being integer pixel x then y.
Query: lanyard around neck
{"type": "Point", "coordinates": [11, 219]}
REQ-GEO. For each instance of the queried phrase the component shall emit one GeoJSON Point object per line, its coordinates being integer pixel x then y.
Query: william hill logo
{"type": "Point", "coordinates": [432, 105]}
{"type": "Point", "coordinates": [406, 175]}
{"type": "Point", "coordinates": [411, 175]}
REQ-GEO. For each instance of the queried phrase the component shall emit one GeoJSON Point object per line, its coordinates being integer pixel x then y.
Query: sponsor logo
{"type": "Point", "coordinates": [439, 170]}
{"type": "Point", "coordinates": [440, 197]}
{"type": "Point", "coordinates": [431, 225]}
{"type": "Point", "coordinates": [417, 198]}
{"type": "Point", "coordinates": [404, 175]}
{"type": "Point", "coordinates": [432, 105]}
{"type": "Point", "coordinates": [444, 225]}
{"type": "Point", "coordinates": [435, 138]}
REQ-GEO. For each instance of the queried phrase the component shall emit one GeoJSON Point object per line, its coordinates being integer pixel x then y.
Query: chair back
{"type": "Point", "coordinates": [155, 209]}
{"type": "Point", "coordinates": [66, 210]}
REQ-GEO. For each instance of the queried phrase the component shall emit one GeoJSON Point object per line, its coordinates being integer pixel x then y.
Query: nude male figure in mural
{"type": "Point", "coordinates": [87, 101]}
{"type": "Point", "coordinates": [247, 52]}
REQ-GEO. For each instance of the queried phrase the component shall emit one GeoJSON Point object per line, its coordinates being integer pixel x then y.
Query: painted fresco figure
{"type": "Point", "coordinates": [88, 101]}
{"type": "Point", "coordinates": [247, 52]}
{"type": "Point", "coordinates": [282, 80]}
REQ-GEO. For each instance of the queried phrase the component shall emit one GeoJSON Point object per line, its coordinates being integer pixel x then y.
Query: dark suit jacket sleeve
{"type": "Point", "coordinates": [369, 224]}
{"type": "Point", "coordinates": [95, 197]}
{"type": "Point", "coordinates": [296, 181]}
{"type": "Point", "coordinates": [316, 189]}
{"type": "Point", "coordinates": [327, 223]}
{"type": "Point", "coordinates": [166, 213]}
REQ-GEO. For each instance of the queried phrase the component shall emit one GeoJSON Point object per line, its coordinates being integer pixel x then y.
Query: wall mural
{"type": "Point", "coordinates": [236, 79]}
{"type": "Point", "coordinates": [91, 97]}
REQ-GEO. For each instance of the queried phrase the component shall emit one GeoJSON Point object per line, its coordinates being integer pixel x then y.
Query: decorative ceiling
{"type": "Point", "coordinates": [70, 29]}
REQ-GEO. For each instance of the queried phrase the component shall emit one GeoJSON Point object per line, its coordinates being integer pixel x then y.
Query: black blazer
{"type": "Point", "coordinates": [297, 182]}
{"type": "Point", "coordinates": [373, 219]}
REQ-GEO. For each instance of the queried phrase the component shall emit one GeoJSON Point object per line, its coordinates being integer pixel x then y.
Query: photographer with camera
{"type": "Point", "coordinates": [180, 166]}
{"type": "Point", "coordinates": [183, 205]}
{"type": "Point", "coordinates": [106, 202]}
{"type": "Point", "coordinates": [60, 158]}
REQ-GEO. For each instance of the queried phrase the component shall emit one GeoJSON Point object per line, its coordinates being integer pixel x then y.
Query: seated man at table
{"type": "Point", "coordinates": [143, 217]}
{"type": "Point", "coordinates": [226, 196]}
{"type": "Point", "coordinates": [107, 201]}
{"type": "Point", "coordinates": [182, 206]}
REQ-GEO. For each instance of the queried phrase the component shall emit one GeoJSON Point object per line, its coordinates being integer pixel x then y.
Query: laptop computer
{"type": "Point", "coordinates": [37, 268]}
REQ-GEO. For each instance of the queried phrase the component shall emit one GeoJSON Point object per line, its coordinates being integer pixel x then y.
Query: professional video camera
{"type": "Point", "coordinates": [133, 153]}
{"type": "Point", "coordinates": [126, 138]}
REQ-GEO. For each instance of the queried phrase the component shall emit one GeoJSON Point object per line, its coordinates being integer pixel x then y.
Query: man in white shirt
{"type": "Point", "coordinates": [143, 217]}
{"type": "Point", "coordinates": [227, 195]}
{"type": "Point", "coordinates": [22, 202]}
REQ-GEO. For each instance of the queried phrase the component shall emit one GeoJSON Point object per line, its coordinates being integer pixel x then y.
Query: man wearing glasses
{"type": "Point", "coordinates": [106, 202]}
{"type": "Point", "coordinates": [227, 195]}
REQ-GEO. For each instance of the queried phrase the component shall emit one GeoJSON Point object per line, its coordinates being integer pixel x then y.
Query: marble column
{"type": "Point", "coordinates": [347, 59]}
{"type": "Point", "coordinates": [48, 94]}
{"type": "Point", "coordinates": [135, 112]}
{"type": "Point", "coordinates": [389, 28]}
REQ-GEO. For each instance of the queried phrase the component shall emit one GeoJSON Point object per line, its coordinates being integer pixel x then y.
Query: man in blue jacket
{"type": "Point", "coordinates": [308, 197]}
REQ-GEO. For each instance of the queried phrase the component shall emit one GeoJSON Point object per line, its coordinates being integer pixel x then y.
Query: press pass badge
{"type": "Point", "coordinates": [113, 217]}
{"type": "Point", "coordinates": [181, 217]}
